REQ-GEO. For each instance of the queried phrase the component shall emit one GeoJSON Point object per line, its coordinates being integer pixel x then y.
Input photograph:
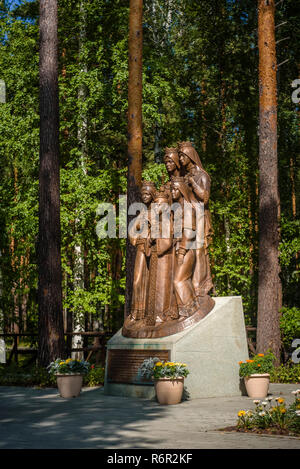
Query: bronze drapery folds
{"type": "Point", "coordinates": [172, 233]}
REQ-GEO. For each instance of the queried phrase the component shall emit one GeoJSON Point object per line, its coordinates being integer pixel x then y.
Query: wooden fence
{"type": "Point", "coordinates": [98, 347]}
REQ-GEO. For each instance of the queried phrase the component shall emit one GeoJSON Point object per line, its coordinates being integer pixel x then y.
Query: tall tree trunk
{"type": "Point", "coordinates": [79, 316]}
{"type": "Point", "coordinates": [15, 267]}
{"type": "Point", "coordinates": [268, 331]}
{"type": "Point", "coordinates": [51, 334]}
{"type": "Point", "coordinates": [24, 289]}
{"type": "Point", "coordinates": [134, 175]}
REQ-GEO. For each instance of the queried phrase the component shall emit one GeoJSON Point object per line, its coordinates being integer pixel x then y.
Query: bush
{"type": "Point", "coordinates": [14, 375]}
{"type": "Point", "coordinates": [289, 325]}
{"type": "Point", "coordinates": [95, 376]}
{"type": "Point", "coordinates": [288, 373]}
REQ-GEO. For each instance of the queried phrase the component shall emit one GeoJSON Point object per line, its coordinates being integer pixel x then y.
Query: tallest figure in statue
{"type": "Point", "coordinates": [199, 181]}
{"type": "Point", "coordinates": [175, 276]}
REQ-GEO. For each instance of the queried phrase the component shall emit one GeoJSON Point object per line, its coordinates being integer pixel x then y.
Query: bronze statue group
{"type": "Point", "coordinates": [172, 277]}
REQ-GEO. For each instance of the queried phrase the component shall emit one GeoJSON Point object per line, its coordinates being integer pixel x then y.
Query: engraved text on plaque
{"type": "Point", "coordinates": [123, 364]}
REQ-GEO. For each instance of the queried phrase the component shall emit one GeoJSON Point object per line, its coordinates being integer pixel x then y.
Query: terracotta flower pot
{"type": "Point", "coordinates": [169, 391]}
{"type": "Point", "coordinates": [69, 385]}
{"type": "Point", "coordinates": [257, 385]}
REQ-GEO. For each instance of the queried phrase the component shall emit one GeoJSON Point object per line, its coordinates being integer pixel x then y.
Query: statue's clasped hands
{"type": "Point", "coordinates": [180, 259]}
{"type": "Point", "coordinates": [180, 256]}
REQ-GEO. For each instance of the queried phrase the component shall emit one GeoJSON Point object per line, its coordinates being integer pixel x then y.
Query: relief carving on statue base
{"type": "Point", "coordinates": [142, 331]}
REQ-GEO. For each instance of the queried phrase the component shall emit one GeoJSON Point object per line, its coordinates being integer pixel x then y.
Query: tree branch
{"type": "Point", "coordinates": [280, 24]}
{"type": "Point", "coordinates": [283, 39]}
{"type": "Point", "coordinates": [283, 63]}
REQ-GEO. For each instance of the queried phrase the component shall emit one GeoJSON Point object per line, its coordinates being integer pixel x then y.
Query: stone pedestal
{"type": "Point", "coordinates": [211, 349]}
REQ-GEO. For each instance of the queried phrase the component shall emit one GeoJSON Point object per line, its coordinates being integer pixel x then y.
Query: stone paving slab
{"type": "Point", "coordinates": [40, 419]}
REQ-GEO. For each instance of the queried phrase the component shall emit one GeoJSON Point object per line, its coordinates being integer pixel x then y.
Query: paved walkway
{"type": "Point", "coordinates": [41, 419]}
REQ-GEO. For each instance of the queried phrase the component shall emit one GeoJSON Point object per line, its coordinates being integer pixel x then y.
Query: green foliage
{"type": "Point", "coordinates": [18, 165]}
{"type": "Point", "coordinates": [285, 373]}
{"type": "Point", "coordinates": [200, 83]}
{"type": "Point", "coordinates": [290, 325]}
{"type": "Point", "coordinates": [14, 375]}
{"type": "Point", "coordinates": [260, 364]}
{"type": "Point", "coordinates": [90, 171]}
{"type": "Point", "coordinates": [156, 173]}
{"type": "Point", "coordinates": [95, 376]}
{"type": "Point", "coordinates": [33, 375]}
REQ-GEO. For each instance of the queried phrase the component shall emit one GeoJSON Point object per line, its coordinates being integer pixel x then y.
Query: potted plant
{"type": "Point", "coordinates": [256, 374]}
{"type": "Point", "coordinates": [69, 374]}
{"type": "Point", "coordinates": [168, 379]}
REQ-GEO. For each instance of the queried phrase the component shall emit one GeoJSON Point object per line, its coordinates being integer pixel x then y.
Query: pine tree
{"type": "Point", "coordinates": [268, 331]}
{"type": "Point", "coordinates": [51, 338]}
{"type": "Point", "coordinates": [134, 176]}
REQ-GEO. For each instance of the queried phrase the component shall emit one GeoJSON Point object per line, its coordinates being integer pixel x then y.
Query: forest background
{"type": "Point", "coordinates": [200, 83]}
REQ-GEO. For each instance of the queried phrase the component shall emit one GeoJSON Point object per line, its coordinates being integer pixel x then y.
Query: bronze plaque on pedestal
{"type": "Point", "coordinates": [123, 364]}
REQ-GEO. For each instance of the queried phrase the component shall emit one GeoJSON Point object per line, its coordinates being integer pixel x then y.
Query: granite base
{"type": "Point", "coordinates": [211, 348]}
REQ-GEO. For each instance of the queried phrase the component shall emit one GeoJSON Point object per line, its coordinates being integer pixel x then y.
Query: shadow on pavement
{"type": "Point", "coordinates": [39, 418]}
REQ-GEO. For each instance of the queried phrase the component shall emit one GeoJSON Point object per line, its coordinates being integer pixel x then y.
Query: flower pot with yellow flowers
{"type": "Point", "coordinates": [69, 375]}
{"type": "Point", "coordinates": [168, 379]}
{"type": "Point", "coordinates": [256, 374]}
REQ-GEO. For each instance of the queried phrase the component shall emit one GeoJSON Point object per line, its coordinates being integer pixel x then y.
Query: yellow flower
{"type": "Point", "coordinates": [61, 363]}
{"type": "Point", "coordinates": [282, 410]}
{"type": "Point", "coordinates": [68, 360]}
{"type": "Point", "coordinates": [241, 413]}
{"type": "Point", "coordinates": [158, 364]}
{"type": "Point", "coordinates": [281, 400]}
